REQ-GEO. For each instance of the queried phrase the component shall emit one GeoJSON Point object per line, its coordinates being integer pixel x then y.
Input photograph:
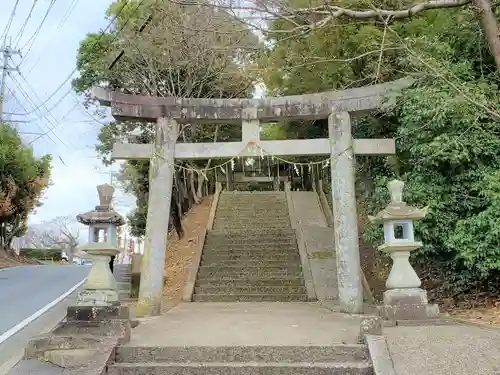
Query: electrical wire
{"type": "Point", "coordinates": [20, 33]}
{"type": "Point", "coordinates": [24, 108]}
{"type": "Point", "coordinates": [37, 31]}
{"type": "Point", "coordinates": [9, 22]}
{"type": "Point", "coordinates": [29, 100]}
{"type": "Point", "coordinates": [101, 35]}
{"type": "Point", "coordinates": [56, 33]}
{"type": "Point", "coordinates": [54, 124]}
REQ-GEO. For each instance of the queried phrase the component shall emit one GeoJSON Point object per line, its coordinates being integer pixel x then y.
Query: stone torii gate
{"type": "Point", "coordinates": [249, 113]}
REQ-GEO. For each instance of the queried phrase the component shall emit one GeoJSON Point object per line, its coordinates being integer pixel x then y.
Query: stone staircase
{"type": "Point", "coordinates": [251, 254]}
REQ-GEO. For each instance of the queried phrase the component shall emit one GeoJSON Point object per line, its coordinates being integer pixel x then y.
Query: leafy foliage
{"type": "Point", "coordinates": [446, 126]}
{"type": "Point", "coordinates": [185, 51]}
{"type": "Point", "coordinates": [24, 178]}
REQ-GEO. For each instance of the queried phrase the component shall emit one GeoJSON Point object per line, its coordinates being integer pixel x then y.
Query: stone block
{"type": "Point", "coordinates": [98, 297]}
{"type": "Point", "coordinates": [70, 358]}
{"type": "Point", "coordinates": [97, 313]}
{"type": "Point", "coordinates": [119, 328]}
{"type": "Point", "coordinates": [370, 325]}
{"type": "Point", "coordinates": [406, 296]}
{"type": "Point", "coordinates": [38, 345]}
{"type": "Point", "coordinates": [409, 312]}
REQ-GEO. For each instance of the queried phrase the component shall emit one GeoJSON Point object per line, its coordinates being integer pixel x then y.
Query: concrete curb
{"type": "Point", "coordinates": [380, 356]}
{"type": "Point", "coordinates": [187, 295]}
{"type": "Point", "coordinates": [304, 259]}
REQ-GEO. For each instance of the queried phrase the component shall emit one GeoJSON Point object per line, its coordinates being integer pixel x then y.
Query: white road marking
{"type": "Point", "coordinates": [37, 314]}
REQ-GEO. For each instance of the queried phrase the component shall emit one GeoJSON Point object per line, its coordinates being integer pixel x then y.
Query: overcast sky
{"type": "Point", "coordinates": [48, 60]}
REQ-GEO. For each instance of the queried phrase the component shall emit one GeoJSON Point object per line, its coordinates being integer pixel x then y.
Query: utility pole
{"type": "Point", "coordinates": [7, 53]}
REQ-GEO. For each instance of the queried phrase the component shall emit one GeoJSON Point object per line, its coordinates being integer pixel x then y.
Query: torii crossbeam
{"type": "Point", "coordinates": [248, 113]}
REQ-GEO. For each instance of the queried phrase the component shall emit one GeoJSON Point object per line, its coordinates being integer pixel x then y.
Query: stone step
{"type": "Point", "coordinates": [259, 225]}
{"type": "Point", "coordinates": [271, 233]}
{"type": "Point", "coordinates": [250, 239]}
{"type": "Point", "coordinates": [255, 221]}
{"type": "Point", "coordinates": [337, 353]}
{"type": "Point", "coordinates": [242, 251]}
{"type": "Point", "coordinates": [208, 282]}
{"type": "Point", "coordinates": [252, 198]}
{"type": "Point", "coordinates": [248, 275]}
{"type": "Point", "coordinates": [221, 257]}
{"type": "Point", "coordinates": [231, 289]}
{"type": "Point", "coordinates": [298, 297]}
{"type": "Point", "coordinates": [252, 207]}
{"type": "Point", "coordinates": [254, 263]}
{"type": "Point", "coordinates": [253, 203]}
{"type": "Point", "coordinates": [253, 246]}
{"type": "Point", "coordinates": [241, 213]}
{"type": "Point", "coordinates": [225, 249]}
{"type": "Point", "coordinates": [251, 269]}
{"type": "Point", "coordinates": [237, 368]}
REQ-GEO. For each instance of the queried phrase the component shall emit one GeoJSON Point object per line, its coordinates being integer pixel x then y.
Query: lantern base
{"type": "Point", "coordinates": [405, 296]}
{"type": "Point", "coordinates": [98, 298]}
{"type": "Point", "coordinates": [407, 304]}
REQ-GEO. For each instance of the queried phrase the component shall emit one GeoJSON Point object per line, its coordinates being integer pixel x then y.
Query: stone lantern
{"type": "Point", "coordinates": [100, 286]}
{"type": "Point", "coordinates": [403, 299]}
{"type": "Point", "coordinates": [103, 220]}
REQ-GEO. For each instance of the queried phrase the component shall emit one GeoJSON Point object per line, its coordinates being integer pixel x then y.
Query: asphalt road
{"type": "Point", "coordinates": [25, 290]}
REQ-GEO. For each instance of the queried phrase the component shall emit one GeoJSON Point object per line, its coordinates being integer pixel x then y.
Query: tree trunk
{"type": "Point", "coordinates": [201, 182]}
{"type": "Point", "coordinates": [490, 28]}
{"type": "Point", "coordinates": [194, 193]}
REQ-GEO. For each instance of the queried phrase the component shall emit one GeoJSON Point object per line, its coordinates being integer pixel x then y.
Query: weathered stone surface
{"type": "Point", "coordinates": [379, 355]}
{"type": "Point", "coordinates": [96, 364]}
{"type": "Point", "coordinates": [305, 368]}
{"type": "Point", "coordinates": [371, 325]}
{"type": "Point", "coordinates": [309, 106]}
{"type": "Point", "coordinates": [344, 213]}
{"type": "Point", "coordinates": [407, 296]}
{"type": "Point", "coordinates": [409, 312]}
{"type": "Point", "coordinates": [38, 345]}
{"type": "Point", "coordinates": [97, 313]}
{"type": "Point", "coordinates": [109, 328]}
{"type": "Point", "coordinates": [289, 354]}
{"type": "Point", "coordinates": [160, 194]}
{"type": "Point", "coordinates": [70, 358]}
{"type": "Point", "coordinates": [444, 350]}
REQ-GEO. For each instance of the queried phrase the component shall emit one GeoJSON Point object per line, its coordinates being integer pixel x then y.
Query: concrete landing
{"type": "Point", "coordinates": [246, 324]}
{"type": "Point", "coordinates": [444, 350]}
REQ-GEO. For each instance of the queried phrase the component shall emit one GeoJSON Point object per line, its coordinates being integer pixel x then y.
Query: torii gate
{"type": "Point", "coordinates": [248, 113]}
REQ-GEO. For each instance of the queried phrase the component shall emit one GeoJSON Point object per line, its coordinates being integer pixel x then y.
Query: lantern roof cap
{"type": "Point", "coordinates": [103, 213]}
{"type": "Point", "coordinates": [397, 209]}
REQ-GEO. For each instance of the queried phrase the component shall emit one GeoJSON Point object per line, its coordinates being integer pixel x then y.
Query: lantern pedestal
{"type": "Point", "coordinates": [404, 299]}
{"type": "Point", "coordinates": [100, 287]}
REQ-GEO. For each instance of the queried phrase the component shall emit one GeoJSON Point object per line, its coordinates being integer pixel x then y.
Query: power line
{"type": "Point", "coordinates": [9, 22]}
{"type": "Point", "coordinates": [23, 107]}
{"type": "Point", "coordinates": [59, 27]}
{"type": "Point", "coordinates": [29, 100]}
{"type": "Point", "coordinates": [32, 102]}
{"type": "Point", "coordinates": [37, 31]}
{"type": "Point", "coordinates": [20, 33]}
{"type": "Point", "coordinates": [76, 68]}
